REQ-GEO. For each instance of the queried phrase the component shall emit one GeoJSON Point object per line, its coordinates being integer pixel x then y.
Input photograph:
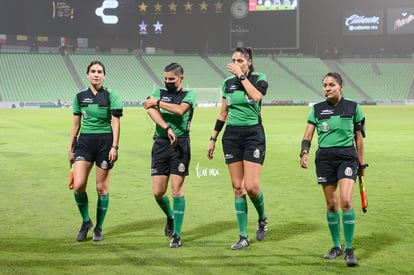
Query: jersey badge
{"type": "Point", "coordinates": [325, 127]}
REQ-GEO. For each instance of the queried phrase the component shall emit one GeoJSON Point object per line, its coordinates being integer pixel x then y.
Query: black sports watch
{"type": "Point", "coordinates": [242, 77]}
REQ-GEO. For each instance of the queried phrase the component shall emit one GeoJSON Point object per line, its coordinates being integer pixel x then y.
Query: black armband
{"type": "Point", "coordinates": [305, 147]}
{"type": "Point", "coordinates": [363, 166]}
{"type": "Point", "coordinates": [306, 144]}
{"type": "Point", "coordinates": [219, 125]}
{"type": "Point", "coordinates": [116, 112]}
{"type": "Point", "coordinates": [360, 127]}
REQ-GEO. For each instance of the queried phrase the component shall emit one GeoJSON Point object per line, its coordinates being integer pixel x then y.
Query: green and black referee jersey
{"type": "Point", "coordinates": [335, 124]}
{"type": "Point", "coordinates": [180, 125]}
{"type": "Point", "coordinates": [244, 137]}
{"type": "Point", "coordinates": [243, 111]}
{"type": "Point", "coordinates": [96, 110]}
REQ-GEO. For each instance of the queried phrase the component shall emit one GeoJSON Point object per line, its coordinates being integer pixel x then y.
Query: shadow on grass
{"type": "Point", "coordinates": [374, 243]}
{"type": "Point", "coordinates": [208, 231]}
{"type": "Point", "coordinates": [211, 232]}
{"type": "Point", "coordinates": [201, 251]}
{"type": "Point", "coordinates": [137, 226]}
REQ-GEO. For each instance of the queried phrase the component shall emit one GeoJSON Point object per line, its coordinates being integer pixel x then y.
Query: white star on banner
{"type": "Point", "coordinates": [143, 28]}
{"type": "Point", "coordinates": [158, 27]}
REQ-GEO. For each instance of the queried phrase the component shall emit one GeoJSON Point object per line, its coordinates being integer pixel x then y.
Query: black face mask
{"type": "Point", "coordinates": [170, 86]}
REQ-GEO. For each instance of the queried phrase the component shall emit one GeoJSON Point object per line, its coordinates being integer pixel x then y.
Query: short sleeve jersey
{"type": "Point", "coordinates": [96, 110]}
{"type": "Point", "coordinates": [243, 111]}
{"type": "Point", "coordinates": [335, 124]}
{"type": "Point", "coordinates": [180, 125]}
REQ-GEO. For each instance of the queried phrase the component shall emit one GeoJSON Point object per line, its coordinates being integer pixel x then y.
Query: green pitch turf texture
{"type": "Point", "coordinates": [39, 218]}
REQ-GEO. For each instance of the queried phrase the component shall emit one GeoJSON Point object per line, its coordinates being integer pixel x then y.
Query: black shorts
{"type": "Point", "coordinates": [244, 143]}
{"type": "Point", "coordinates": [167, 159]}
{"type": "Point", "coordinates": [333, 164]}
{"type": "Point", "coordinates": [94, 148]}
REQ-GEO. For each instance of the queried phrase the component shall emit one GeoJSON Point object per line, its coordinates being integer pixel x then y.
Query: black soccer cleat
{"type": "Point", "coordinates": [241, 243]}
{"type": "Point", "coordinates": [261, 229]}
{"type": "Point", "coordinates": [333, 253]}
{"type": "Point", "coordinates": [169, 227]}
{"type": "Point", "coordinates": [175, 241]}
{"type": "Point", "coordinates": [83, 232]}
{"type": "Point", "coordinates": [350, 258]}
{"type": "Point", "coordinates": [97, 235]}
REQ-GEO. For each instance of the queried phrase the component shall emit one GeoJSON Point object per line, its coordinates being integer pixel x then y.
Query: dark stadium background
{"type": "Point", "coordinates": [320, 27]}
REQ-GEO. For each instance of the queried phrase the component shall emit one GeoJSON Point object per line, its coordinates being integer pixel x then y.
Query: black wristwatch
{"type": "Point", "coordinates": [242, 77]}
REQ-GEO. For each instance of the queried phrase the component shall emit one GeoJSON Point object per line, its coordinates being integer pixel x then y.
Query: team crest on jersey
{"type": "Point", "coordinates": [228, 100]}
{"type": "Point", "coordinates": [348, 172]}
{"type": "Point", "coordinates": [181, 167]}
{"type": "Point", "coordinates": [325, 127]}
{"type": "Point", "coordinates": [256, 154]}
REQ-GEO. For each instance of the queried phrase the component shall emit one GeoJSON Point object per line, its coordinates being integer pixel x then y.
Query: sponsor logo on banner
{"type": "Point", "coordinates": [359, 22]}
{"type": "Point", "coordinates": [363, 22]}
{"type": "Point", "coordinates": [400, 20]}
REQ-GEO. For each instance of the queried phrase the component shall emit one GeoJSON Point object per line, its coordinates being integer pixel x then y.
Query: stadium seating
{"type": "Point", "coordinates": [37, 77]}
{"type": "Point", "coordinates": [311, 70]}
{"type": "Point", "coordinates": [391, 81]}
{"type": "Point", "coordinates": [282, 85]}
{"type": "Point", "coordinates": [50, 77]}
{"type": "Point", "coordinates": [124, 74]}
{"type": "Point", "coordinates": [197, 73]}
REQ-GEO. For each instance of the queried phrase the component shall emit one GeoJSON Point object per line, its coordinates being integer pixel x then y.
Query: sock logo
{"type": "Point", "coordinates": [107, 4]}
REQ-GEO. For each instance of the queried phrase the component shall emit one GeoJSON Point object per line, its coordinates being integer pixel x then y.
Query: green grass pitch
{"type": "Point", "coordinates": [39, 218]}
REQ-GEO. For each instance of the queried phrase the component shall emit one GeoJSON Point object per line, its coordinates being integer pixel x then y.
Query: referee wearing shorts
{"type": "Point", "coordinates": [244, 144]}
{"type": "Point", "coordinates": [94, 139]}
{"type": "Point", "coordinates": [339, 123]}
{"type": "Point", "coordinates": [171, 108]}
